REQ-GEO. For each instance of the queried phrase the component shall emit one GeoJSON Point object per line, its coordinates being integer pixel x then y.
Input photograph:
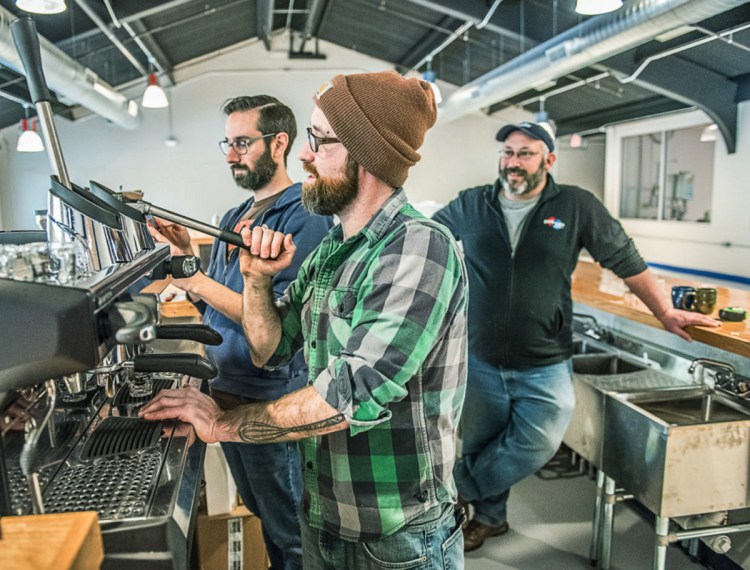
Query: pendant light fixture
{"type": "Point", "coordinates": [154, 96]}
{"type": "Point", "coordinates": [592, 7]}
{"type": "Point", "coordinates": [42, 6]}
{"type": "Point", "coordinates": [29, 140]}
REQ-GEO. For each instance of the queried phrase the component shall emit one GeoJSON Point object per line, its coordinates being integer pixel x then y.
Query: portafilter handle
{"type": "Point", "coordinates": [195, 332]}
{"type": "Point", "coordinates": [190, 364]}
{"type": "Point", "coordinates": [219, 233]}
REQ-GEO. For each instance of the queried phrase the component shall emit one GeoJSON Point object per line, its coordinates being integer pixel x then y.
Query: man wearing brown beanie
{"type": "Point", "coordinates": [380, 310]}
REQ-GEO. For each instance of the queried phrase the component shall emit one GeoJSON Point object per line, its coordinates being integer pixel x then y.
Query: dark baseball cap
{"type": "Point", "coordinates": [534, 130]}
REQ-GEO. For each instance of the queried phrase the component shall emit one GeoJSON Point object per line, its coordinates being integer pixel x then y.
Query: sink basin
{"type": "Point", "coordinates": [688, 406]}
{"type": "Point", "coordinates": [677, 454]}
{"type": "Point", "coordinates": [604, 364]}
{"type": "Point", "coordinates": [593, 375]}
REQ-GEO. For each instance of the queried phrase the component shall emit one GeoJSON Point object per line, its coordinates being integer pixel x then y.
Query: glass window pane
{"type": "Point", "coordinates": [690, 173]}
{"type": "Point", "coordinates": [639, 196]}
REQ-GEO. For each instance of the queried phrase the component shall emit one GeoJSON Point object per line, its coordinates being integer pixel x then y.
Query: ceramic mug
{"type": "Point", "coordinates": [705, 300]}
{"type": "Point", "coordinates": [683, 297]}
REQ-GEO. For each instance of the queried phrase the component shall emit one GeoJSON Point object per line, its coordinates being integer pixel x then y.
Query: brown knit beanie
{"type": "Point", "coordinates": [381, 118]}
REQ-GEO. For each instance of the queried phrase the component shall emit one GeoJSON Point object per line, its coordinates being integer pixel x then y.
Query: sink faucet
{"type": "Point", "coordinates": [724, 373]}
{"type": "Point", "coordinates": [593, 328]}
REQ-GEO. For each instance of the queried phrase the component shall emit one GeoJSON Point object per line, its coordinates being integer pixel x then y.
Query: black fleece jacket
{"type": "Point", "coordinates": [520, 308]}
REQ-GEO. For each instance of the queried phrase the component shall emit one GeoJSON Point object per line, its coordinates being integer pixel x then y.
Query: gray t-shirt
{"type": "Point", "coordinates": [516, 212]}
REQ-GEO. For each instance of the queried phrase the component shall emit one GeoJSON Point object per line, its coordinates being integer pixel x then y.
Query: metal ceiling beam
{"type": "Point", "coordinates": [473, 11]}
{"type": "Point", "coordinates": [312, 22]}
{"type": "Point", "coordinates": [149, 46]}
{"type": "Point", "coordinates": [94, 17]}
{"type": "Point", "coordinates": [264, 21]}
{"type": "Point", "coordinates": [425, 44]}
{"type": "Point", "coordinates": [588, 43]}
{"type": "Point", "coordinates": [743, 88]}
{"type": "Point", "coordinates": [690, 84]}
{"type": "Point", "coordinates": [590, 121]}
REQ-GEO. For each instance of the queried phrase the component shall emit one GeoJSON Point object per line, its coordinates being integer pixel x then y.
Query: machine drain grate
{"type": "Point", "coordinates": [116, 435]}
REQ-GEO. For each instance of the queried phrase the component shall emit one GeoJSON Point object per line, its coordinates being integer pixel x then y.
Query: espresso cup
{"type": "Point", "coordinates": [683, 297]}
{"type": "Point", "coordinates": [705, 300]}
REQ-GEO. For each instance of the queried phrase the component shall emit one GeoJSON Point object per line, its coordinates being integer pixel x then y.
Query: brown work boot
{"type": "Point", "coordinates": [476, 533]}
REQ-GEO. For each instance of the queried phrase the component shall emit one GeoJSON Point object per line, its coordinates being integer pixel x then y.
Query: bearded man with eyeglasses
{"type": "Point", "coordinates": [521, 238]}
{"type": "Point", "coordinates": [259, 132]}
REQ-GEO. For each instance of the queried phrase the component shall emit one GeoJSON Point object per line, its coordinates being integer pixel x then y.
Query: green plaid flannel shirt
{"type": "Point", "coordinates": [382, 319]}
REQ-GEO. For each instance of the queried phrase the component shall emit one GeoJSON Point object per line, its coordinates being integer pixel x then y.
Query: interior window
{"type": "Point", "coordinates": [681, 191]}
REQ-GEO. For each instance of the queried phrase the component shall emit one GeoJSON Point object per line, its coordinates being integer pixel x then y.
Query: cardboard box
{"type": "Point", "coordinates": [232, 541]}
{"type": "Point", "coordinates": [221, 492]}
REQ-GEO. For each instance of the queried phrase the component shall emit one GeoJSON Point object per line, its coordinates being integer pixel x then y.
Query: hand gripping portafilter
{"type": "Point", "coordinates": [219, 233]}
{"type": "Point", "coordinates": [73, 214]}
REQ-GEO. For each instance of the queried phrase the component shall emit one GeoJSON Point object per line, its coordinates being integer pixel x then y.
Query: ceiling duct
{"type": "Point", "coordinates": [581, 46]}
{"type": "Point", "coordinates": [71, 80]}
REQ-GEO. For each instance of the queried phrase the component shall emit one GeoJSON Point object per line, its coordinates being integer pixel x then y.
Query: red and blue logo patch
{"type": "Point", "coordinates": [554, 223]}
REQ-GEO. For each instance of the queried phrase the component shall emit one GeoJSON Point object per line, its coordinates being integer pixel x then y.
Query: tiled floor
{"type": "Point", "coordinates": [550, 529]}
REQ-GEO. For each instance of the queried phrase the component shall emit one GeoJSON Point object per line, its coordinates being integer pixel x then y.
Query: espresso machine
{"type": "Point", "coordinates": [77, 361]}
{"type": "Point", "coordinates": [75, 367]}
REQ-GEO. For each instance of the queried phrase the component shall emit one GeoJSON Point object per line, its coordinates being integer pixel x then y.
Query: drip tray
{"type": "Point", "coordinates": [118, 435]}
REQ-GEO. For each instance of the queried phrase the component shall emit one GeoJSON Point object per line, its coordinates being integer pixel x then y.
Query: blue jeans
{"type": "Point", "coordinates": [513, 423]}
{"type": "Point", "coordinates": [433, 541]}
{"type": "Point", "coordinates": [269, 480]}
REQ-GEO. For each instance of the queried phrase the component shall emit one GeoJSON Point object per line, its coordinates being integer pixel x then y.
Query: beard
{"type": "Point", "coordinates": [328, 196]}
{"type": "Point", "coordinates": [529, 183]}
{"type": "Point", "coordinates": [262, 173]}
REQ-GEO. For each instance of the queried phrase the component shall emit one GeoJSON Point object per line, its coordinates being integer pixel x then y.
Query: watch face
{"type": "Point", "coordinates": [190, 265]}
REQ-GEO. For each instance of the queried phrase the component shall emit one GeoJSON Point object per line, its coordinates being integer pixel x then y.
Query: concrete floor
{"type": "Point", "coordinates": [550, 529]}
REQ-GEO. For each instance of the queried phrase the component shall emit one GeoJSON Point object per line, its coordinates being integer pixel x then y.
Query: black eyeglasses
{"type": "Point", "coordinates": [315, 141]}
{"type": "Point", "coordinates": [241, 144]}
{"type": "Point", "coordinates": [507, 154]}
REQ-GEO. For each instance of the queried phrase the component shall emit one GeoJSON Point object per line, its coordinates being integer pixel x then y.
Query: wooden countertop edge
{"type": "Point", "coordinates": [62, 540]}
{"type": "Point", "coordinates": [700, 334]}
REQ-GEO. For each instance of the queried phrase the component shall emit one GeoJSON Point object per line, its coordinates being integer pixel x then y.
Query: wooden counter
{"type": "Point", "coordinates": [603, 290]}
{"type": "Point", "coordinates": [171, 308]}
{"type": "Point", "coordinates": [62, 541]}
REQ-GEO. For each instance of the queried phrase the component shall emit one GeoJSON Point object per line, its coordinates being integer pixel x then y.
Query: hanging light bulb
{"type": "Point", "coordinates": [591, 7]}
{"type": "Point", "coordinates": [154, 96]}
{"type": "Point", "coordinates": [29, 140]}
{"type": "Point", "coordinates": [42, 6]}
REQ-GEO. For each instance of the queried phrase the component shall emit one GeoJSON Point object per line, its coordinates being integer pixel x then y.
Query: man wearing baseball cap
{"type": "Point", "coordinates": [521, 239]}
{"type": "Point", "coordinates": [380, 310]}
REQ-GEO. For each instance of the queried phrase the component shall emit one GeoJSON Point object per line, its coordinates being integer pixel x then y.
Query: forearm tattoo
{"type": "Point", "coordinates": [260, 432]}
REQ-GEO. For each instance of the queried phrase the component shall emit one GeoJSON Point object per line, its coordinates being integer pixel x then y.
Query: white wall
{"type": "Point", "coordinates": [582, 166]}
{"type": "Point", "coordinates": [193, 178]}
{"type": "Point", "coordinates": [693, 245]}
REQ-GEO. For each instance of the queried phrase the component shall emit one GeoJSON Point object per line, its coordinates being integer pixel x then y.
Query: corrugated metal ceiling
{"type": "Point", "coordinates": [401, 32]}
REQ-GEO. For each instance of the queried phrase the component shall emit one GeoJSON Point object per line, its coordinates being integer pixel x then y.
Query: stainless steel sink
{"type": "Point", "coordinates": [604, 364]}
{"type": "Point", "coordinates": [689, 406]}
{"type": "Point", "coordinates": [593, 376]}
{"type": "Point", "coordinates": [679, 451]}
